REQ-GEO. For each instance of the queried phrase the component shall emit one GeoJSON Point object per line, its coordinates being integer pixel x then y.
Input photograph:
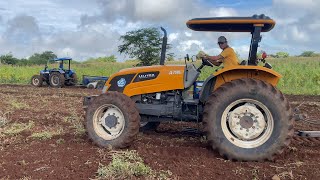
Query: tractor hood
{"type": "Point", "coordinates": [148, 79]}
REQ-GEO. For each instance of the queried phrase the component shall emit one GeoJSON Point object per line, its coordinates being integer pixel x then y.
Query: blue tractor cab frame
{"type": "Point", "coordinates": [56, 77]}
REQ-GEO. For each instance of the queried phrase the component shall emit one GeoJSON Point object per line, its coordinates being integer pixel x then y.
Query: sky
{"type": "Point", "coordinates": [91, 28]}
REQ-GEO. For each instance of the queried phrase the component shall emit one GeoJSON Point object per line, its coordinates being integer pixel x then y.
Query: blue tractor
{"type": "Point", "coordinates": [56, 77]}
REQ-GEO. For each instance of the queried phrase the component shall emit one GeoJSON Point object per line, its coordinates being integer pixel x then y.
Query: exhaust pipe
{"type": "Point", "coordinates": [164, 47]}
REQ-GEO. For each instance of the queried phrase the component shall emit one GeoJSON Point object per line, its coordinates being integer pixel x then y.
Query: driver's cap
{"type": "Point", "coordinates": [222, 39]}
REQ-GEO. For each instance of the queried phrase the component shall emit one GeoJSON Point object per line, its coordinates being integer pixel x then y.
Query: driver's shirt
{"type": "Point", "coordinates": [230, 57]}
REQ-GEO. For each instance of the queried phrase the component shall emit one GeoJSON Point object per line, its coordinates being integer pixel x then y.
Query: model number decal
{"type": "Point", "coordinates": [174, 72]}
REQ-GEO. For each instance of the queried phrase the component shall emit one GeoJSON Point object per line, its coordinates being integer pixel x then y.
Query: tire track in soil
{"type": "Point", "coordinates": [298, 139]}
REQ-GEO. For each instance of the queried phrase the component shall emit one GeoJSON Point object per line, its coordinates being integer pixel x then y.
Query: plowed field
{"type": "Point", "coordinates": [42, 137]}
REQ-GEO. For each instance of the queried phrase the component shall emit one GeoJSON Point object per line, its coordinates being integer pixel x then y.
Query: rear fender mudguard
{"type": "Point", "coordinates": [207, 88]}
{"type": "Point", "coordinates": [224, 75]}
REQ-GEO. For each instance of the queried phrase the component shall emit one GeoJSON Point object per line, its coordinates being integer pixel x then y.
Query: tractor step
{"type": "Point", "coordinates": [309, 133]}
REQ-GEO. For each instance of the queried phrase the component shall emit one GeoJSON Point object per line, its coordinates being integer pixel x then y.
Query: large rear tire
{"type": "Point", "coordinates": [112, 120]}
{"type": "Point", "coordinates": [56, 80]}
{"type": "Point", "coordinates": [100, 84]}
{"type": "Point", "coordinates": [248, 120]}
{"type": "Point", "coordinates": [37, 80]}
{"type": "Point", "coordinates": [72, 81]}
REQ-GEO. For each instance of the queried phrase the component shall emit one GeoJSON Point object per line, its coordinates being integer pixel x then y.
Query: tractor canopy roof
{"type": "Point", "coordinates": [63, 59]}
{"type": "Point", "coordinates": [232, 24]}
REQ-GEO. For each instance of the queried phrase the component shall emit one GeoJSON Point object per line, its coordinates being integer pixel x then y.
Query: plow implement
{"type": "Point", "coordinates": [304, 119]}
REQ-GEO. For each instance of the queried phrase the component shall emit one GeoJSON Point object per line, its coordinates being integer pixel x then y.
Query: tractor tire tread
{"type": "Point", "coordinates": [222, 92]}
{"type": "Point", "coordinates": [124, 103]}
{"type": "Point", "coordinates": [61, 80]}
{"type": "Point", "coordinates": [40, 77]}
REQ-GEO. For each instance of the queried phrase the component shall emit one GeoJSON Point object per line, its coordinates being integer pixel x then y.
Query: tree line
{"type": "Point", "coordinates": [303, 54]}
{"type": "Point", "coordinates": [143, 44]}
{"type": "Point", "coordinates": [46, 57]}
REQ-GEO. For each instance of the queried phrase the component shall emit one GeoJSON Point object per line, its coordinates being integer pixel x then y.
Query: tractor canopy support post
{"type": "Point", "coordinates": [256, 38]}
{"type": "Point", "coordinates": [164, 47]}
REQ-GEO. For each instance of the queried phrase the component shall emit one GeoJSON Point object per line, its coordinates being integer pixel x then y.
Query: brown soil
{"type": "Point", "coordinates": [70, 155]}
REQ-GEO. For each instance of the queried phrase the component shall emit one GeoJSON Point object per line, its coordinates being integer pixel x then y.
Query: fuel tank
{"type": "Point", "coordinates": [148, 79]}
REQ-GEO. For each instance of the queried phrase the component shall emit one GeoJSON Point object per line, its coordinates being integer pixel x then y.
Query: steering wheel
{"type": "Point", "coordinates": [206, 62]}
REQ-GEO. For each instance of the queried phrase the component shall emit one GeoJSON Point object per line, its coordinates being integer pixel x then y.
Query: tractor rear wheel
{"type": "Point", "coordinates": [248, 120]}
{"type": "Point", "coordinates": [100, 84]}
{"type": "Point", "coordinates": [37, 80]}
{"type": "Point", "coordinates": [56, 79]}
{"type": "Point", "coordinates": [112, 119]}
{"type": "Point", "coordinates": [72, 81]}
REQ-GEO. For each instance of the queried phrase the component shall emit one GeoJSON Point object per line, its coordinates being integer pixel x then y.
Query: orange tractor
{"type": "Point", "coordinates": [245, 117]}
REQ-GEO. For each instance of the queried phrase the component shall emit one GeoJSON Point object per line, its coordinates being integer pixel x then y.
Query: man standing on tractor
{"type": "Point", "coordinates": [228, 57]}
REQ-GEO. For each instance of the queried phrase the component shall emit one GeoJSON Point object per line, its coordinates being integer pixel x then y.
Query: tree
{"type": "Point", "coordinates": [143, 44]}
{"type": "Point", "coordinates": [41, 58]}
{"type": "Point", "coordinates": [170, 57]}
{"type": "Point", "coordinates": [308, 54]}
{"type": "Point", "coordinates": [282, 54]}
{"type": "Point", "coordinates": [107, 59]}
{"type": "Point", "coordinates": [8, 59]}
{"type": "Point", "coordinates": [23, 62]}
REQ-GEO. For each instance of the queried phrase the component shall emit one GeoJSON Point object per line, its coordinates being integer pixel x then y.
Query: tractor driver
{"type": "Point", "coordinates": [228, 57]}
{"type": "Point", "coordinates": [61, 65]}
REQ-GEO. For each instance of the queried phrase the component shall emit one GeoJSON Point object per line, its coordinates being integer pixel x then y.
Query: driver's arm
{"type": "Point", "coordinates": [215, 60]}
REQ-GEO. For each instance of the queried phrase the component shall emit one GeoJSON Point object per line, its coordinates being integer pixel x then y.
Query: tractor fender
{"type": "Point", "coordinates": [207, 88]}
{"type": "Point", "coordinates": [225, 75]}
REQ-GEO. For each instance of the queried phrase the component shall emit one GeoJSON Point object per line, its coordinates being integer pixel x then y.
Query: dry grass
{"type": "Point", "coordinates": [17, 128]}
{"type": "Point", "coordinates": [18, 105]}
{"type": "Point", "coordinates": [47, 134]}
{"type": "Point", "coordinates": [4, 119]}
{"type": "Point", "coordinates": [76, 122]}
{"type": "Point", "coordinates": [126, 165]}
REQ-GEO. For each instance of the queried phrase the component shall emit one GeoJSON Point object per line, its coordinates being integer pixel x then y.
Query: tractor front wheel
{"type": "Point", "coordinates": [112, 119]}
{"type": "Point", "coordinates": [56, 80]}
{"type": "Point", "coordinates": [248, 120]}
{"type": "Point", "coordinates": [37, 80]}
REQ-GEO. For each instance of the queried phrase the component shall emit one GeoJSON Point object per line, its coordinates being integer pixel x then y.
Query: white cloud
{"type": "Point", "coordinates": [242, 50]}
{"type": "Point", "coordinates": [297, 24]}
{"type": "Point", "coordinates": [188, 34]}
{"type": "Point", "coordinates": [172, 37]}
{"type": "Point", "coordinates": [66, 52]}
{"type": "Point", "coordinates": [299, 35]}
{"type": "Point", "coordinates": [155, 10]}
{"type": "Point", "coordinates": [220, 12]}
{"type": "Point", "coordinates": [295, 3]}
{"type": "Point", "coordinates": [86, 28]}
{"type": "Point", "coordinates": [186, 45]}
